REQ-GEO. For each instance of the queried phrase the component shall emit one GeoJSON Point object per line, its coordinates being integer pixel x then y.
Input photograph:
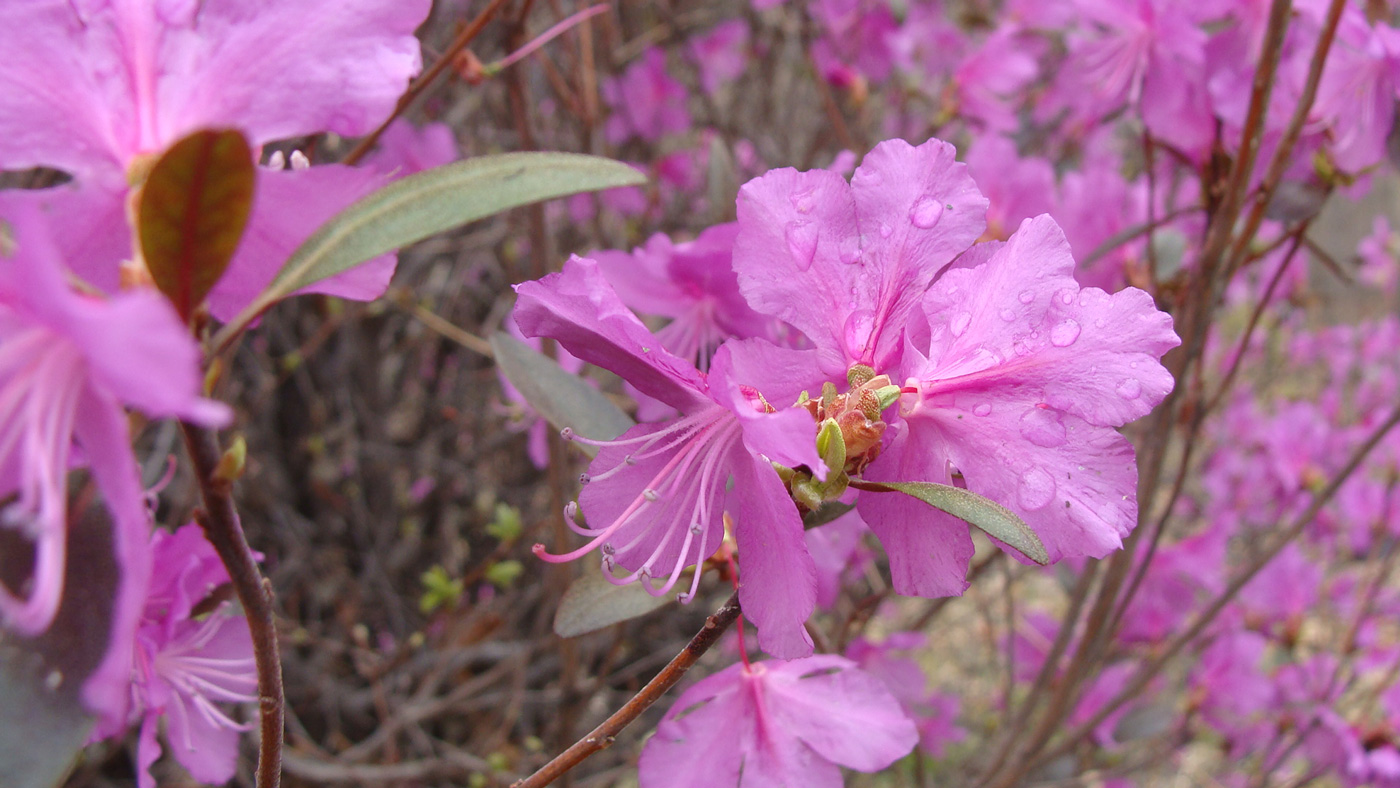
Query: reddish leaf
{"type": "Point", "coordinates": [192, 211]}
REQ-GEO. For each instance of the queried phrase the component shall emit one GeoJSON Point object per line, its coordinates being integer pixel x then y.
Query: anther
{"type": "Point", "coordinates": [650, 495]}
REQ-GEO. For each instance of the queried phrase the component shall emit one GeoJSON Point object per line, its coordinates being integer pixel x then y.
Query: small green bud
{"type": "Point", "coordinates": [503, 574]}
{"type": "Point", "coordinates": [439, 589]}
{"type": "Point", "coordinates": [506, 526]}
{"type": "Point", "coordinates": [858, 375]}
{"type": "Point", "coordinates": [807, 492]}
{"type": "Point", "coordinates": [888, 396]}
{"type": "Point", "coordinates": [232, 463]}
{"type": "Point", "coordinates": [831, 445]}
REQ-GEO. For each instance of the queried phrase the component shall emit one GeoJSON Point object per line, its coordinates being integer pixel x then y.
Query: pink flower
{"type": "Point", "coordinates": [68, 365]}
{"type": "Point", "coordinates": [693, 283]}
{"type": "Point", "coordinates": [777, 724]}
{"type": "Point", "coordinates": [646, 101]}
{"type": "Point", "coordinates": [721, 53]}
{"type": "Point", "coordinates": [405, 149]}
{"type": "Point", "coordinates": [185, 664]}
{"type": "Point", "coordinates": [1356, 99]}
{"type": "Point", "coordinates": [1021, 377]}
{"type": "Point", "coordinates": [96, 88]}
{"type": "Point", "coordinates": [655, 497]}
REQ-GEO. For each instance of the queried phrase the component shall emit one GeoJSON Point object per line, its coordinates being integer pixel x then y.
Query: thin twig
{"type": "Point", "coordinates": [223, 530]}
{"type": "Point", "coordinates": [605, 734]}
{"type": "Point", "coordinates": [425, 79]}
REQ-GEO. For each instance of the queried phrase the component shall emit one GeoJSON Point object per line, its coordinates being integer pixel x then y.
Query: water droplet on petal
{"type": "Point", "coordinates": [857, 331]}
{"type": "Point", "coordinates": [1067, 297]}
{"type": "Point", "coordinates": [1019, 347]}
{"type": "Point", "coordinates": [926, 212]}
{"type": "Point", "coordinates": [850, 251]}
{"type": "Point", "coordinates": [1036, 490]}
{"type": "Point", "coordinates": [1008, 315]}
{"type": "Point", "coordinates": [958, 325]}
{"type": "Point", "coordinates": [886, 230]}
{"type": "Point", "coordinates": [1129, 389]}
{"type": "Point", "coordinates": [1064, 334]}
{"type": "Point", "coordinates": [982, 409]}
{"type": "Point", "coordinates": [1100, 322]}
{"type": "Point", "coordinates": [802, 200]}
{"type": "Point", "coordinates": [1043, 427]}
{"type": "Point", "coordinates": [1026, 296]}
{"type": "Point", "coordinates": [802, 243]}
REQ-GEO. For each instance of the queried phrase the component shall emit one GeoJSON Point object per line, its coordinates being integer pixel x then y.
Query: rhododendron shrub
{"type": "Point", "coordinates": [1008, 368]}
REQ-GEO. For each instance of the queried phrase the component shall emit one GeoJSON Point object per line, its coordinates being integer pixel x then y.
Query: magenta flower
{"type": "Point", "coordinates": [694, 285]}
{"type": "Point", "coordinates": [1021, 377]}
{"type": "Point", "coordinates": [1356, 100]}
{"type": "Point", "coordinates": [405, 149]}
{"type": "Point", "coordinates": [186, 664]}
{"type": "Point", "coordinates": [646, 101]}
{"type": "Point", "coordinates": [656, 496]}
{"type": "Point", "coordinates": [721, 53]}
{"type": "Point", "coordinates": [777, 724]}
{"type": "Point", "coordinates": [68, 365]}
{"type": "Point", "coordinates": [847, 263]}
{"type": "Point", "coordinates": [95, 89]}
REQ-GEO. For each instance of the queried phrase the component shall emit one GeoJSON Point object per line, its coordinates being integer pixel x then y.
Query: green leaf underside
{"type": "Point", "coordinates": [192, 212]}
{"type": "Point", "coordinates": [592, 603]}
{"type": "Point", "coordinates": [564, 400]}
{"type": "Point", "coordinates": [427, 203]}
{"type": "Point", "coordinates": [43, 724]}
{"type": "Point", "coordinates": [988, 515]}
{"type": "Point", "coordinates": [831, 510]}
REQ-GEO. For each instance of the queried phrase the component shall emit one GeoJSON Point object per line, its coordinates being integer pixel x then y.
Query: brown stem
{"type": "Point", "coordinates": [605, 734]}
{"type": "Point", "coordinates": [1150, 670]}
{"type": "Point", "coordinates": [219, 519]}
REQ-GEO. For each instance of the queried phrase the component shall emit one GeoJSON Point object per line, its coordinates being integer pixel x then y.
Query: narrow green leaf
{"type": "Point", "coordinates": [592, 603]}
{"type": "Point", "coordinates": [564, 400]}
{"type": "Point", "coordinates": [993, 518]}
{"type": "Point", "coordinates": [192, 211]}
{"type": "Point", "coordinates": [427, 203]}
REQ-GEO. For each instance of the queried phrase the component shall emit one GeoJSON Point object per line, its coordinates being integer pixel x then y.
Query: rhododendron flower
{"type": "Point", "coordinates": [693, 283]}
{"type": "Point", "coordinates": [68, 364]}
{"type": "Point", "coordinates": [187, 663]}
{"type": "Point", "coordinates": [776, 724]}
{"type": "Point", "coordinates": [655, 497]}
{"type": "Point", "coordinates": [1021, 377]}
{"type": "Point", "coordinates": [892, 662]}
{"type": "Point", "coordinates": [646, 101]}
{"type": "Point", "coordinates": [96, 88]}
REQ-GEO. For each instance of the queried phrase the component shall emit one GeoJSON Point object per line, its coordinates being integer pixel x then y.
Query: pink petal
{"type": "Point", "coordinates": [700, 743]}
{"type": "Point", "coordinates": [288, 206]}
{"type": "Point", "coordinates": [580, 309]}
{"type": "Point", "coordinates": [777, 579]}
{"type": "Point", "coordinates": [845, 715]}
{"type": "Point", "coordinates": [264, 68]}
{"type": "Point", "coordinates": [929, 551]}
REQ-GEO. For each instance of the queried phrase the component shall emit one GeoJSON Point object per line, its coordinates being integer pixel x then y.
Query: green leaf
{"type": "Point", "coordinates": [192, 211]}
{"type": "Point", "coordinates": [993, 518]}
{"type": "Point", "coordinates": [592, 603]}
{"type": "Point", "coordinates": [564, 400]}
{"type": "Point", "coordinates": [427, 203]}
{"type": "Point", "coordinates": [43, 723]}
{"type": "Point", "coordinates": [828, 512]}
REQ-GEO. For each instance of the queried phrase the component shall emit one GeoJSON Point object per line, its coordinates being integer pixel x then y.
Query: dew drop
{"type": "Point", "coordinates": [926, 212]}
{"type": "Point", "coordinates": [850, 251]}
{"type": "Point", "coordinates": [1129, 389]}
{"type": "Point", "coordinates": [802, 243]}
{"type": "Point", "coordinates": [857, 331]}
{"type": "Point", "coordinates": [982, 409]}
{"type": "Point", "coordinates": [802, 200]}
{"type": "Point", "coordinates": [886, 230]}
{"type": "Point", "coordinates": [1008, 315]}
{"type": "Point", "coordinates": [1036, 490]}
{"type": "Point", "coordinates": [1026, 296]}
{"type": "Point", "coordinates": [959, 323]}
{"type": "Point", "coordinates": [1100, 322]}
{"type": "Point", "coordinates": [650, 494]}
{"type": "Point", "coordinates": [1067, 297]}
{"type": "Point", "coordinates": [1043, 427]}
{"type": "Point", "coordinates": [1064, 334]}
{"type": "Point", "coordinates": [1019, 347]}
